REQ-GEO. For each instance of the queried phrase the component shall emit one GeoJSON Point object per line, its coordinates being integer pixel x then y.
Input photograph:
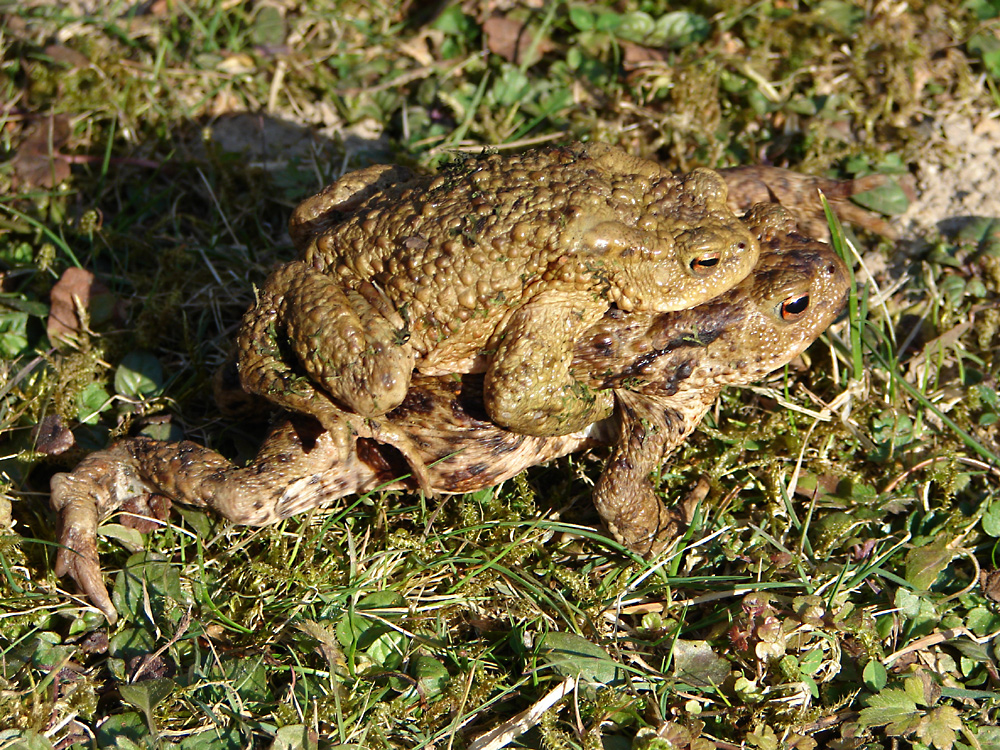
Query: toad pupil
{"type": "Point", "coordinates": [707, 261]}
{"type": "Point", "coordinates": [793, 307]}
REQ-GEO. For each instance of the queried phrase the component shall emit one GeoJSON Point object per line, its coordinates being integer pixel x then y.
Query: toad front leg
{"type": "Point", "coordinates": [530, 387]}
{"type": "Point", "coordinates": [350, 344]}
{"type": "Point", "coordinates": [289, 315]}
{"type": "Point", "coordinates": [650, 426]}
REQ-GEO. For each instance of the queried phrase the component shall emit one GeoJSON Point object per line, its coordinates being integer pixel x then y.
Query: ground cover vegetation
{"type": "Point", "coordinates": [838, 586]}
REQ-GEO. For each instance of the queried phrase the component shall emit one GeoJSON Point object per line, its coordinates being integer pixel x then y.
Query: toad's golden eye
{"type": "Point", "coordinates": [703, 263]}
{"type": "Point", "coordinates": [795, 307]}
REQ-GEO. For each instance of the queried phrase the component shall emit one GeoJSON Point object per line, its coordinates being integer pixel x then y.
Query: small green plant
{"type": "Point", "coordinates": [833, 585]}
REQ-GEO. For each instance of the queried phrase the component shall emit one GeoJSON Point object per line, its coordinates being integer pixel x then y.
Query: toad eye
{"type": "Point", "coordinates": [704, 263]}
{"type": "Point", "coordinates": [795, 307]}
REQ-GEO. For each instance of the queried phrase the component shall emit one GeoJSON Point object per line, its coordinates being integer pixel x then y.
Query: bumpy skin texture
{"type": "Point", "coordinates": [496, 265]}
{"type": "Point", "coordinates": [664, 370]}
{"type": "Point", "coordinates": [681, 362]}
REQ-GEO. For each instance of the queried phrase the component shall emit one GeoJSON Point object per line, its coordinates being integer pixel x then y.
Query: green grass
{"type": "Point", "coordinates": [827, 592]}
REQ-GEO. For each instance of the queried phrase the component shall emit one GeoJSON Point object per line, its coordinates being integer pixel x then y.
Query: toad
{"type": "Point", "coordinates": [750, 185]}
{"type": "Point", "coordinates": [497, 265]}
{"type": "Point", "coordinates": [664, 369]}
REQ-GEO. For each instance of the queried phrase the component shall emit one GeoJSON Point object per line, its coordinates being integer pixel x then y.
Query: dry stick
{"type": "Point", "coordinates": [923, 464]}
{"type": "Point", "coordinates": [922, 644]}
{"type": "Point", "coordinates": [507, 732]}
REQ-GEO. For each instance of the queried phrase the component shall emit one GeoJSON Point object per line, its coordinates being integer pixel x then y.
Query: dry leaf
{"type": "Point", "coordinates": [67, 56]}
{"type": "Point", "coordinates": [419, 49]}
{"type": "Point", "coordinates": [634, 54]}
{"type": "Point", "coordinates": [989, 581]}
{"type": "Point", "coordinates": [159, 8]}
{"type": "Point", "coordinates": [811, 485]}
{"type": "Point", "coordinates": [512, 39]}
{"type": "Point", "coordinates": [238, 64]}
{"type": "Point", "coordinates": [37, 162]}
{"type": "Point", "coordinates": [144, 512]}
{"type": "Point", "coordinates": [76, 290]}
{"type": "Point", "coordinates": [94, 642]}
{"type": "Point", "coordinates": [51, 436]}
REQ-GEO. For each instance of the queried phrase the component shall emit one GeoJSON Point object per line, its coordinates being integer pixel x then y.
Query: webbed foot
{"type": "Point", "coordinates": [81, 499]}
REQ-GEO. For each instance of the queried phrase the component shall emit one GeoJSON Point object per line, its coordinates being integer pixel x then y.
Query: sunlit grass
{"type": "Point", "coordinates": [826, 593]}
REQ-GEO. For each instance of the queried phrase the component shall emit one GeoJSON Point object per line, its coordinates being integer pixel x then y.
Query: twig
{"type": "Point", "coordinates": [923, 464]}
{"type": "Point", "coordinates": [503, 735]}
{"type": "Point", "coordinates": [922, 644]}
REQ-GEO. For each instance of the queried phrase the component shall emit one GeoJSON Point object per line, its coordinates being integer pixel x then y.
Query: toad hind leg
{"type": "Point", "coordinates": [98, 485]}
{"type": "Point", "coordinates": [799, 194]}
{"type": "Point", "coordinates": [529, 386]}
{"type": "Point", "coordinates": [299, 467]}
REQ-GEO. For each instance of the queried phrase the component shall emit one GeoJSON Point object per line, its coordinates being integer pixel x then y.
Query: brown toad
{"type": "Point", "coordinates": [664, 369]}
{"type": "Point", "coordinates": [497, 265]}
{"type": "Point", "coordinates": [798, 193]}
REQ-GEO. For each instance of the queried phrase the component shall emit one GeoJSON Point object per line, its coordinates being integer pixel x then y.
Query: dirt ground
{"type": "Point", "coordinates": [958, 176]}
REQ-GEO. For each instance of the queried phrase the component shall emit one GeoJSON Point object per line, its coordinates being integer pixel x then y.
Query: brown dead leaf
{"type": "Point", "coordinates": [327, 642]}
{"type": "Point", "coordinates": [144, 667]}
{"type": "Point", "coordinates": [78, 290]}
{"type": "Point", "coordinates": [37, 162]}
{"type": "Point", "coordinates": [67, 56]}
{"type": "Point", "coordinates": [145, 512]}
{"type": "Point", "coordinates": [816, 485]}
{"type": "Point", "coordinates": [420, 47]}
{"type": "Point", "coordinates": [634, 54]}
{"type": "Point", "coordinates": [989, 580]}
{"type": "Point", "coordinates": [94, 642]}
{"type": "Point", "coordinates": [51, 436]}
{"type": "Point", "coordinates": [935, 349]}
{"type": "Point", "coordinates": [236, 64]}
{"type": "Point", "coordinates": [159, 8]}
{"type": "Point", "coordinates": [688, 506]}
{"type": "Point", "coordinates": [731, 44]}
{"type": "Point", "coordinates": [511, 40]}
